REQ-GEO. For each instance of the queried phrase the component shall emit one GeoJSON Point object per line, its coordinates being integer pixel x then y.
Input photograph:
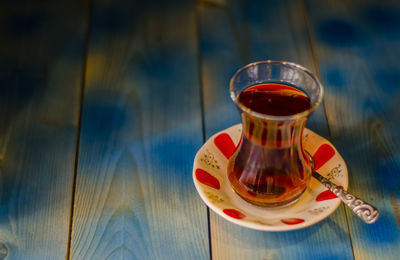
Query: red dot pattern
{"type": "Point", "coordinates": [207, 179]}
{"type": "Point", "coordinates": [292, 221]}
{"type": "Point", "coordinates": [234, 213]}
{"type": "Point", "coordinates": [323, 154]}
{"type": "Point", "coordinates": [225, 144]}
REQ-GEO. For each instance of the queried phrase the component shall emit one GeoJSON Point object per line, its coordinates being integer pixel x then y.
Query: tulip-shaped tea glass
{"type": "Point", "coordinates": [275, 98]}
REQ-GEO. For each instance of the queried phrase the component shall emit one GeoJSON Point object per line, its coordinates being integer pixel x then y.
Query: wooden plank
{"type": "Point", "coordinates": [357, 45]}
{"type": "Point", "coordinates": [41, 56]}
{"type": "Point", "coordinates": [232, 34]}
{"type": "Point", "coordinates": [141, 128]}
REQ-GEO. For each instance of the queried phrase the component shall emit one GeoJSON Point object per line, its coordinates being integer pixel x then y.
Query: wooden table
{"type": "Point", "coordinates": [104, 104]}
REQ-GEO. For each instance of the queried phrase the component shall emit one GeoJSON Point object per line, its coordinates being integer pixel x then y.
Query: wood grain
{"type": "Point", "coordinates": [155, 80]}
{"type": "Point", "coordinates": [232, 34]}
{"type": "Point", "coordinates": [40, 82]}
{"type": "Point", "coordinates": [357, 48]}
{"type": "Point", "coordinates": [141, 127]}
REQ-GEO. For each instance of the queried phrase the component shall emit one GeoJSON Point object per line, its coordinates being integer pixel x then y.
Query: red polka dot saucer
{"type": "Point", "coordinates": [317, 203]}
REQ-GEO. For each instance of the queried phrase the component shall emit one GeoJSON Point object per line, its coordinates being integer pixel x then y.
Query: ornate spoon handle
{"type": "Point", "coordinates": [368, 213]}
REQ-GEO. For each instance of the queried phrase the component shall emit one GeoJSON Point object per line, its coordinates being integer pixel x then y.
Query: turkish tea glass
{"type": "Point", "coordinates": [269, 167]}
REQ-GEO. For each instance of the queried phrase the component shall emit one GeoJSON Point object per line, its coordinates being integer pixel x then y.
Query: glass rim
{"type": "Point", "coordinates": [304, 113]}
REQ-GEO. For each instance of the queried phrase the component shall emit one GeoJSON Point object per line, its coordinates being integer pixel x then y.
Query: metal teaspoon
{"type": "Point", "coordinates": [365, 211]}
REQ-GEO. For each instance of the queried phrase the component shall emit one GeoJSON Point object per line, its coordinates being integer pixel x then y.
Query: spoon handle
{"type": "Point", "coordinates": [368, 213]}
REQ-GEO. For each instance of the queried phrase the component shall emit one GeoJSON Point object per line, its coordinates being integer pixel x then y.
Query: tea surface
{"type": "Point", "coordinates": [275, 99]}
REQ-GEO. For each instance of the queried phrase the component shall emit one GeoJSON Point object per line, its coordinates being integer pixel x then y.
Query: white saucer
{"type": "Point", "coordinates": [317, 203]}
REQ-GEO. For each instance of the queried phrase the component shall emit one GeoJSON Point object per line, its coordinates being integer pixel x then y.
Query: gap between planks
{"type": "Point", "coordinates": [88, 6]}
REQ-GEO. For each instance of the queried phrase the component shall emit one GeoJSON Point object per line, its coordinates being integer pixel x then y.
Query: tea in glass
{"type": "Point", "coordinates": [269, 166]}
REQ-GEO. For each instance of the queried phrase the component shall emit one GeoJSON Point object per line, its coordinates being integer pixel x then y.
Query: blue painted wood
{"type": "Point", "coordinates": [357, 46]}
{"type": "Point", "coordinates": [141, 128]}
{"type": "Point", "coordinates": [142, 123]}
{"type": "Point", "coordinates": [232, 34]}
{"type": "Point", "coordinates": [41, 55]}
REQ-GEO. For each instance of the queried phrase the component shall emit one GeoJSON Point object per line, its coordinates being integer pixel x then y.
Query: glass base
{"type": "Point", "coordinates": [280, 204]}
